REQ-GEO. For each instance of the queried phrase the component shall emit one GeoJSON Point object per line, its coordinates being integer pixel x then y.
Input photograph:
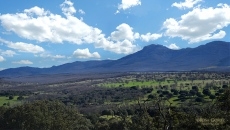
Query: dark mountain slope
{"type": "Point", "coordinates": [21, 71]}
{"type": "Point", "coordinates": [207, 55]}
{"type": "Point", "coordinates": [77, 67]}
{"type": "Point", "coordinates": [215, 55]}
{"type": "Point", "coordinates": [160, 58]}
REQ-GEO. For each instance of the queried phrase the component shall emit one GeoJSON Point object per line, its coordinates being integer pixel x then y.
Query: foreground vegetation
{"type": "Point", "coordinates": [135, 101]}
{"type": "Point", "coordinates": [54, 115]}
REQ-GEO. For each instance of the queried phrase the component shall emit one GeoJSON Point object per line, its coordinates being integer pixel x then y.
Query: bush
{"type": "Point", "coordinates": [221, 91]}
{"type": "Point", "coordinates": [169, 95]}
{"type": "Point", "coordinates": [195, 88]}
{"type": "Point", "coordinates": [175, 92]}
{"type": "Point", "coordinates": [11, 97]}
{"type": "Point", "coordinates": [151, 96]}
{"type": "Point", "coordinates": [199, 99]}
{"type": "Point", "coordinates": [159, 91]}
{"type": "Point", "coordinates": [165, 92]}
{"type": "Point", "coordinates": [212, 97]}
{"type": "Point", "coordinates": [161, 95]}
{"type": "Point", "coordinates": [225, 86]}
{"type": "Point", "coordinates": [20, 98]}
{"type": "Point", "coordinates": [192, 92]}
{"type": "Point", "coordinates": [206, 92]}
{"type": "Point", "coordinates": [198, 94]}
{"type": "Point", "coordinates": [217, 94]}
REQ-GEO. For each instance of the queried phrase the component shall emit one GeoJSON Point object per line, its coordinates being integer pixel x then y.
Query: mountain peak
{"type": "Point", "coordinates": [153, 57]}
{"type": "Point", "coordinates": [155, 47]}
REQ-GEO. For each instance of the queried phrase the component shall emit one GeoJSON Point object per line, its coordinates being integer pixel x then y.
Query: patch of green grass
{"type": "Point", "coordinates": [108, 117]}
{"type": "Point", "coordinates": [149, 83]}
{"type": "Point", "coordinates": [6, 100]}
{"type": "Point", "coordinates": [173, 101]}
{"type": "Point", "coordinates": [118, 118]}
{"type": "Point", "coordinates": [180, 85]}
{"type": "Point", "coordinates": [136, 83]}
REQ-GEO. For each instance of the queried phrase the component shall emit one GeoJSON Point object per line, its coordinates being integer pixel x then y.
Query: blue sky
{"type": "Point", "coordinates": [43, 33]}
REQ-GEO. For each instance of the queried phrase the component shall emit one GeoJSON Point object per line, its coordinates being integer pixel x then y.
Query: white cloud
{"type": "Point", "coordinates": [186, 4]}
{"type": "Point", "coordinates": [48, 27]}
{"type": "Point", "coordinates": [200, 24]}
{"type": "Point", "coordinates": [24, 62]}
{"type": "Point", "coordinates": [120, 47]}
{"type": "Point", "coordinates": [23, 47]}
{"type": "Point", "coordinates": [8, 53]}
{"type": "Point", "coordinates": [173, 46]}
{"type": "Point", "coordinates": [81, 11]}
{"type": "Point", "coordinates": [68, 8]}
{"type": "Point", "coordinates": [84, 54]}
{"type": "Point", "coordinates": [1, 59]}
{"type": "Point", "coordinates": [58, 57]}
{"type": "Point", "coordinates": [150, 37]}
{"type": "Point", "coordinates": [43, 26]}
{"type": "Point", "coordinates": [120, 41]}
{"type": "Point", "coordinates": [36, 10]}
{"type": "Point", "coordinates": [2, 69]}
{"type": "Point", "coordinates": [117, 12]}
{"type": "Point", "coordinates": [45, 55]}
{"type": "Point", "coordinates": [124, 32]}
{"type": "Point", "coordinates": [126, 4]}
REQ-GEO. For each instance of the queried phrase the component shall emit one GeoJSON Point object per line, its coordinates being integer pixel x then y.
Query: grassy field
{"type": "Point", "coordinates": [152, 83]}
{"type": "Point", "coordinates": [5, 100]}
{"type": "Point", "coordinates": [179, 85]}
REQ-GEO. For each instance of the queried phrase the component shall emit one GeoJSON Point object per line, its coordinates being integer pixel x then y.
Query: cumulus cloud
{"type": "Point", "coordinates": [173, 46]}
{"type": "Point", "coordinates": [186, 4]}
{"type": "Point", "coordinates": [8, 53]}
{"type": "Point", "coordinates": [1, 59]}
{"type": "Point", "coordinates": [120, 41]}
{"type": "Point", "coordinates": [68, 8]}
{"type": "Point", "coordinates": [44, 26]}
{"type": "Point", "coordinates": [120, 47]}
{"type": "Point", "coordinates": [150, 37]}
{"type": "Point", "coordinates": [124, 32]}
{"type": "Point", "coordinates": [37, 11]}
{"type": "Point", "coordinates": [200, 24]}
{"type": "Point", "coordinates": [23, 62]}
{"type": "Point", "coordinates": [126, 4]}
{"type": "Point", "coordinates": [23, 47]}
{"type": "Point", "coordinates": [84, 54]}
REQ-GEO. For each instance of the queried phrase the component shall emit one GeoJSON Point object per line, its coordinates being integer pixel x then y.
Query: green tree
{"type": "Point", "coordinates": [43, 115]}
{"type": "Point", "coordinates": [212, 97]}
{"type": "Point", "coordinates": [224, 101]}
{"type": "Point", "coordinates": [20, 98]}
{"type": "Point", "coordinates": [11, 97]}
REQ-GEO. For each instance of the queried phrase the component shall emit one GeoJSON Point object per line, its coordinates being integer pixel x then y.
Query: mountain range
{"type": "Point", "coordinates": [213, 56]}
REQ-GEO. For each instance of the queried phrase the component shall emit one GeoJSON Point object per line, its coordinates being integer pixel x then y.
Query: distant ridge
{"type": "Point", "coordinates": [213, 56]}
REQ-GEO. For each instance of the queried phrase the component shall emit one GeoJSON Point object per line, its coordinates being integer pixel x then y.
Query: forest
{"type": "Point", "coordinates": [124, 101]}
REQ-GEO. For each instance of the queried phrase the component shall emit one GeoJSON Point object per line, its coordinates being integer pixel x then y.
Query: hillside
{"type": "Point", "coordinates": [211, 56]}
